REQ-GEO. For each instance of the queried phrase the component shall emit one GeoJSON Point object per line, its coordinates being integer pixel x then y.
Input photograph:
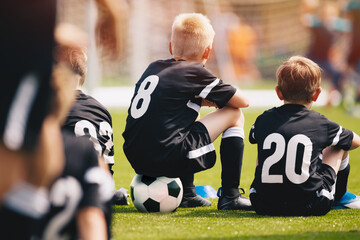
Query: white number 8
{"type": "Point", "coordinates": [144, 94]}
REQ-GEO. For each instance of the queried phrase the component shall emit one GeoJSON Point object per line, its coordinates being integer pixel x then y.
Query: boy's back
{"type": "Point", "coordinates": [166, 103]}
{"type": "Point", "coordinates": [290, 142]}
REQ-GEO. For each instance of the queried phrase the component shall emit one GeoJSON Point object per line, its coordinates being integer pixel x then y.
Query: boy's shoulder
{"type": "Point", "coordinates": [181, 66]}
{"type": "Point", "coordinates": [288, 110]}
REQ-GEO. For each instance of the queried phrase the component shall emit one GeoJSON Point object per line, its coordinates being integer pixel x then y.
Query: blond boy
{"type": "Point", "coordinates": [303, 163]}
{"type": "Point", "coordinates": [163, 135]}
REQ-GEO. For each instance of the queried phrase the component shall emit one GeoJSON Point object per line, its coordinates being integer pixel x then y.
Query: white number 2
{"type": "Point", "coordinates": [290, 161]}
{"type": "Point", "coordinates": [150, 82]}
{"type": "Point", "coordinates": [66, 193]}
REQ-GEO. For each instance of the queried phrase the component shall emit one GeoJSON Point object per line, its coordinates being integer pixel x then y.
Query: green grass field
{"type": "Point", "coordinates": [209, 223]}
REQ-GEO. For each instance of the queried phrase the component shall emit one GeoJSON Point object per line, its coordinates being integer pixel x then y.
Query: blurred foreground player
{"type": "Point", "coordinates": [25, 69]}
{"type": "Point", "coordinates": [303, 163]}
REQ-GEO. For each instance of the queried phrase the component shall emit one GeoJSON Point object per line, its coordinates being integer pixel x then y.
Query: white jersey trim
{"type": "Point", "coordinates": [252, 190]}
{"type": "Point", "coordinates": [208, 88]}
{"type": "Point", "coordinates": [27, 200]}
{"type": "Point", "coordinates": [193, 106]}
{"type": "Point", "coordinates": [19, 112]}
{"type": "Point", "coordinates": [200, 151]}
{"type": "Point", "coordinates": [97, 175]}
{"type": "Point", "coordinates": [337, 137]}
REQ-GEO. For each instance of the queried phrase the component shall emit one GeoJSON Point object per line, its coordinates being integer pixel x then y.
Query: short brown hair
{"type": "Point", "coordinates": [75, 58]}
{"type": "Point", "coordinates": [298, 78]}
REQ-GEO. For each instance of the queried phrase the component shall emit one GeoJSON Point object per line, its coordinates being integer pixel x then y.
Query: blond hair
{"type": "Point", "coordinates": [191, 34]}
{"type": "Point", "coordinates": [298, 78]}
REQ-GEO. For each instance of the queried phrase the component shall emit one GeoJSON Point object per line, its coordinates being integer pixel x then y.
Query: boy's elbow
{"type": "Point", "coordinates": [355, 142]}
{"type": "Point", "coordinates": [243, 103]}
{"type": "Point", "coordinates": [246, 103]}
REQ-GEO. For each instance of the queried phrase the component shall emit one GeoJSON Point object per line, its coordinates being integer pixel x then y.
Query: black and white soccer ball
{"type": "Point", "coordinates": [161, 194]}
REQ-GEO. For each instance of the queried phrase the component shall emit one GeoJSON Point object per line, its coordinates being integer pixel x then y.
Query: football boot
{"type": "Point", "coordinates": [236, 203]}
{"type": "Point", "coordinates": [194, 201]}
{"type": "Point", "coordinates": [349, 200]}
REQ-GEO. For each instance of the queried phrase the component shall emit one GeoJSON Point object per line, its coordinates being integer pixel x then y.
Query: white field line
{"type": "Point", "coordinates": [120, 97]}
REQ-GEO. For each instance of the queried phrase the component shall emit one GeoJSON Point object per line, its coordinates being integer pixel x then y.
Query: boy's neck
{"type": "Point", "coordinates": [203, 61]}
{"type": "Point", "coordinates": [307, 105]}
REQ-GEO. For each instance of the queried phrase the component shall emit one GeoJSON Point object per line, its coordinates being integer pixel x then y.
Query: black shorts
{"type": "Point", "coordinates": [25, 69]}
{"type": "Point", "coordinates": [317, 204]}
{"type": "Point", "coordinates": [192, 154]}
{"type": "Point", "coordinates": [199, 150]}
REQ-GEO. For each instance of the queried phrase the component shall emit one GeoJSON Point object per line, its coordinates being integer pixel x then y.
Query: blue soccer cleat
{"type": "Point", "coordinates": [349, 200]}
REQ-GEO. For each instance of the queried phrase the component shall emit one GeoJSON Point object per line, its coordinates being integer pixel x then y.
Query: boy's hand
{"type": "Point", "coordinates": [208, 103]}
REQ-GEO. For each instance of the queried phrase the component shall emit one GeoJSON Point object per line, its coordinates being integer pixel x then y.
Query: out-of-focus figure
{"type": "Point", "coordinates": [243, 41]}
{"type": "Point", "coordinates": [325, 27]}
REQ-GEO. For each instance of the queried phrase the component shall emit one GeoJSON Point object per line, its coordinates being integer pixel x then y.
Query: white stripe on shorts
{"type": "Point", "coordinates": [19, 112]}
{"type": "Point", "coordinates": [200, 151]}
{"type": "Point", "coordinates": [326, 193]}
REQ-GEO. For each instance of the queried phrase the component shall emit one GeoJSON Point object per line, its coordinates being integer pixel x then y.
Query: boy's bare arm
{"type": "Point", "coordinates": [91, 224]}
{"type": "Point", "coordinates": [355, 142]}
{"type": "Point", "coordinates": [238, 100]}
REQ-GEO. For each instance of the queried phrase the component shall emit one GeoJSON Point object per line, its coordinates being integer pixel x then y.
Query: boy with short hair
{"type": "Point", "coordinates": [163, 136]}
{"type": "Point", "coordinates": [89, 118]}
{"type": "Point", "coordinates": [303, 164]}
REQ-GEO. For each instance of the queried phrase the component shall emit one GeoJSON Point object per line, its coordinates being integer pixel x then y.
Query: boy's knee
{"type": "Point", "coordinates": [237, 117]}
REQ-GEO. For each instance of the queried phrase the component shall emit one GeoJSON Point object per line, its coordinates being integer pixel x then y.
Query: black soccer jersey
{"type": "Point", "coordinates": [82, 184]}
{"type": "Point", "coordinates": [89, 117]}
{"type": "Point", "coordinates": [290, 141]}
{"type": "Point", "coordinates": [166, 103]}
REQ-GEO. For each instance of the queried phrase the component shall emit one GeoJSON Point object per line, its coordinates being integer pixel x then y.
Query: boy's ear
{"type": "Point", "coordinates": [279, 93]}
{"type": "Point", "coordinates": [207, 51]}
{"type": "Point", "coordinates": [316, 94]}
{"type": "Point", "coordinates": [170, 50]}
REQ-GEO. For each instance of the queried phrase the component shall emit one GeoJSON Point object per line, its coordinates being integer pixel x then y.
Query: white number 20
{"type": "Point", "coordinates": [145, 94]}
{"type": "Point", "coordinates": [290, 161]}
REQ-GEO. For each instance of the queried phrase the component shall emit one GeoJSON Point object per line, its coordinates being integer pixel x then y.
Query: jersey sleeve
{"type": "Point", "coordinates": [97, 183]}
{"type": "Point", "coordinates": [339, 137]}
{"type": "Point", "coordinates": [252, 138]}
{"type": "Point", "coordinates": [209, 87]}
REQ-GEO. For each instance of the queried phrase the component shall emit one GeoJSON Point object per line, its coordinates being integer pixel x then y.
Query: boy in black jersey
{"type": "Point", "coordinates": [303, 164]}
{"type": "Point", "coordinates": [87, 116]}
{"type": "Point", "coordinates": [163, 135]}
{"type": "Point", "coordinates": [90, 118]}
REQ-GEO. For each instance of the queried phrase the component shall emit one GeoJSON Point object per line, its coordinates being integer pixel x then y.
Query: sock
{"type": "Point", "coordinates": [188, 185]}
{"type": "Point", "coordinates": [231, 153]}
{"type": "Point", "coordinates": [342, 179]}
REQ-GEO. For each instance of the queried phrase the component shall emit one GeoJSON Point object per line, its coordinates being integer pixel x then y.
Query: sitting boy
{"type": "Point", "coordinates": [303, 164]}
{"type": "Point", "coordinates": [89, 118]}
{"type": "Point", "coordinates": [163, 135]}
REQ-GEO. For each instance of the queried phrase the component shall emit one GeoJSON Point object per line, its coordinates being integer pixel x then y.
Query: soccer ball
{"type": "Point", "coordinates": [161, 194]}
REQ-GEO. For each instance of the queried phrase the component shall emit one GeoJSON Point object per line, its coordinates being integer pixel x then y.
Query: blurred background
{"type": "Point", "coordinates": [252, 38]}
